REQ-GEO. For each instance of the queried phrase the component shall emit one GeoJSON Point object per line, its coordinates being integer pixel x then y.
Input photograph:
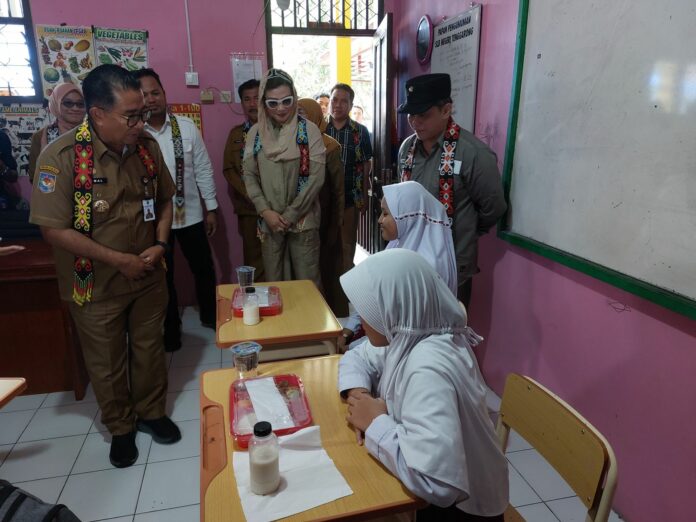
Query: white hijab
{"type": "Point", "coordinates": [423, 226]}
{"type": "Point", "coordinates": [402, 297]}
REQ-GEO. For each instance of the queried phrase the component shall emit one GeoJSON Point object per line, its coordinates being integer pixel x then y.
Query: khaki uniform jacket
{"type": "Point", "coordinates": [232, 169]}
{"type": "Point", "coordinates": [478, 192]}
{"type": "Point", "coordinates": [34, 152]}
{"type": "Point", "coordinates": [118, 191]}
{"type": "Point", "coordinates": [273, 184]}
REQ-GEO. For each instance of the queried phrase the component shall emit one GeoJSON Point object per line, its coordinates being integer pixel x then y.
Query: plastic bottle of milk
{"type": "Point", "coordinates": [263, 459]}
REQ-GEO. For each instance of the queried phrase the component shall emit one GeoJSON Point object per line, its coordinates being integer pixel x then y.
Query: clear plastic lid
{"type": "Point", "coordinates": [248, 348]}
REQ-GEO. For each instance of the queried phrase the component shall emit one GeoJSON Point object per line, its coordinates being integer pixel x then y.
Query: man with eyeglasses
{"type": "Point", "coordinates": [102, 196]}
{"type": "Point", "coordinates": [356, 155]}
{"type": "Point", "coordinates": [188, 162]}
{"type": "Point", "coordinates": [247, 216]}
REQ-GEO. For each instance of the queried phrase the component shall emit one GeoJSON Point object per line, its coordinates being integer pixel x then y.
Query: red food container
{"type": "Point", "coordinates": [242, 417]}
{"type": "Point", "coordinates": [270, 302]}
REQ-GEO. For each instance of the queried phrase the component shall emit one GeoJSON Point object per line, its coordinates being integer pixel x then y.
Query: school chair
{"type": "Point", "coordinates": [576, 450]}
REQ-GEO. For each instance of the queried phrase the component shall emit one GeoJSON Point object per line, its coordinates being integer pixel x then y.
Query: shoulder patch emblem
{"type": "Point", "coordinates": [49, 168]}
{"type": "Point", "coordinates": [47, 182]}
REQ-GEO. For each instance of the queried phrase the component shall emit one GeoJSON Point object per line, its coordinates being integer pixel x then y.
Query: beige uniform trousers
{"type": "Point", "coordinates": [301, 249]}
{"type": "Point", "coordinates": [129, 378]}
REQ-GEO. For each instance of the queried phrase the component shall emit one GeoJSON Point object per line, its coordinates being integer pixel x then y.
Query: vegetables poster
{"type": "Point", "coordinates": [121, 47]}
{"type": "Point", "coordinates": [66, 54]}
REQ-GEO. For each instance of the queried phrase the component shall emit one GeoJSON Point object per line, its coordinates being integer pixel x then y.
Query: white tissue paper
{"type": "Point", "coordinates": [269, 404]}
{"type": "Point", "coordinates": [308, 478]}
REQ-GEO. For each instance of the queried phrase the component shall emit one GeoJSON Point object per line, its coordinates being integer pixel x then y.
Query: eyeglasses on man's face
{"type": "Point", "coordinates": [273, 103]}
{"type": "Point", "coordinates": [73, 104]}
{"type": "Point", "coordinates": [133, 119]}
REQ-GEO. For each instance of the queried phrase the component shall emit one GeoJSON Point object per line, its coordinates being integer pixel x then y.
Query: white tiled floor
{"type": "Point", "coordinates": [56, 448]}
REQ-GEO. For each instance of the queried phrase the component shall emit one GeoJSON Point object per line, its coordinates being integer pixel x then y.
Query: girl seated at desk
{"type": "Point", "coordinates": [413, 218]}
{"type": "Point", "coordinates": [428, 422]}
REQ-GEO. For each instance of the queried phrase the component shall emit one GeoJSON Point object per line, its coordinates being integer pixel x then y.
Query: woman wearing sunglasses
{"type": "Point", "coordinates": [284, 163]}
{"type": "Point", "coordinates": [67, 105]}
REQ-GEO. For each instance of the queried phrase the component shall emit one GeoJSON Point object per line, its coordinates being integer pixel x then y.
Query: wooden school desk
{"type": "Point", "coordinates": [376, 492]}
{"type": "Point", "coordinates": [305, 317]}
{"type": "Point", "coordinates": [10, 387]}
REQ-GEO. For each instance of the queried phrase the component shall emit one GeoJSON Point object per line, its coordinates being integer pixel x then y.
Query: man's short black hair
{"type": "Point", "coordinates": [247, 85]}
{"type": "Point", "coordinates": [102, 82]}
{"type": "Point", "coordinates": [345, 87]}
{"type": "Point", "coordinates": [142, 73]}
{"type": "Point", "coordinates": [321, 95]}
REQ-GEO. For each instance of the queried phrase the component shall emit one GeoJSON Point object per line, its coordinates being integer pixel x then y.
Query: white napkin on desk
{"type": "Point", "coordinates": [308, 478]}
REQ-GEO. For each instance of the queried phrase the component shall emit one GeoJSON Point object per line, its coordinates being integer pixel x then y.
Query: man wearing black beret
{"type": "Point", "coordinates": [454, 166]}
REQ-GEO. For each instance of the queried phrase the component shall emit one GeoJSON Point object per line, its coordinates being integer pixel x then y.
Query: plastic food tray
{"type": "Point", "coordinates": [273, 307]}
{"type": "Point", "coordinates": [290, 387]}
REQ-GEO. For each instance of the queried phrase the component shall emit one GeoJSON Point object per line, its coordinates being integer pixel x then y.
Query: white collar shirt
{"type": "Point", "coordinates": [198, 171]}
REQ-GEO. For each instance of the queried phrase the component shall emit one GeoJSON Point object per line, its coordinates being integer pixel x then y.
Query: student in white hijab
{"type": "Point", "coordinates": [421, 225]}
{"type": "Point", "coordinates": [428, 422]}
{"type": "Point", "coordinates": [413, 218]}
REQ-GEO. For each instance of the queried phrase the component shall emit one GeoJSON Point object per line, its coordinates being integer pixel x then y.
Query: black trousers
{"type": "Point", "coordinates": [194, 245]}
{"type": "Point", "coordinates": [464, 292]}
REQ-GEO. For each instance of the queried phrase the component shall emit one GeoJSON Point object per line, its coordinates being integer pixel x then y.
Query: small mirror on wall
{"type": "Point", "coordinates": [424, 39]}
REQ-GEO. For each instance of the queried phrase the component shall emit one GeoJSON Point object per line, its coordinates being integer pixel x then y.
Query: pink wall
{"type": "Point", "coordinates": [624, 362]}
{"type": "Point", "coordinates": [217, 28]}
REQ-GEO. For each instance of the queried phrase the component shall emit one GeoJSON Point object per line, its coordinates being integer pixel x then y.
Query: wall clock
{"type": "Point", "coordinates": [424, 39]}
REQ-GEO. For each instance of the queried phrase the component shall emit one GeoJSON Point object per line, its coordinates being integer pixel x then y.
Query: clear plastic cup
{"type": "Point", "coordinates": [246, 359]}
{"type": "Point", "coordinates": [245, 276]}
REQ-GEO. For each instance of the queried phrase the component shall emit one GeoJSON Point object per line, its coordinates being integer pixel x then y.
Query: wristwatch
{"type": "Point", "coordinates": [164, 245]}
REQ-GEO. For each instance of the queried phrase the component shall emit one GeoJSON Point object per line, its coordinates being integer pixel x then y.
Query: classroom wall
{"type": "Point", "coordinates": [217, 28]}
{"type": "Point", "coordinates": [628, 365]}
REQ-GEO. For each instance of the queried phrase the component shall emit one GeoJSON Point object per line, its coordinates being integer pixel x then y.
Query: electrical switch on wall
{"type": "Point", "coordinates": [207, 96]}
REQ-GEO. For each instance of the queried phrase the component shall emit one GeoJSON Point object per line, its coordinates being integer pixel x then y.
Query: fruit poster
{"type": "Point", "coordinates": [190, 110]}
{"type": "Point", "coordinates": [121, 47]}
{"type": "Point", "coordinates": [66, 54]}
{"type": "Point", "coordinates": [20, 122]}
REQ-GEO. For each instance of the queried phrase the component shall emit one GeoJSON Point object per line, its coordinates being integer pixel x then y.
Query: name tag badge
{"type": "Point", "coordinates": [149, 209]}
{"type": "Point", "coordinates": [457, 167]}
{"type": "Point", "coordinates": [100, 181]}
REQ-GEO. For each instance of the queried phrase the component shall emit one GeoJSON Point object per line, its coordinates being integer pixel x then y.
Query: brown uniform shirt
{"type": "Point", "coordinates": [119, 224]}
{"type": "Point", "coordinates": [232, 169]}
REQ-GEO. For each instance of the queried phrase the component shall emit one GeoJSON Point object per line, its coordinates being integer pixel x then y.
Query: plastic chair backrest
{"type": "Point", "coordinates": [580, 453]}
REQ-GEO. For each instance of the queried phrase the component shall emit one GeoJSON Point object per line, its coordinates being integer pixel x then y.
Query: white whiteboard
{"type": "Point", "coordinates": [605, 153]}
{"type": "Point", "coordinates": [455, 52]}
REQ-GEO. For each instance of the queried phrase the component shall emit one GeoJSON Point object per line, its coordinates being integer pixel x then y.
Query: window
{"type": "Point", "coordinates": [321, 18]}
{"type": "Point", "coordinates": [325, 16]}
{"type": "Point", "coordinates": [19, 74]}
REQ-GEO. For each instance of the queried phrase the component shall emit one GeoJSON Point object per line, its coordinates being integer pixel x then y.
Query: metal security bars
{"type": "Point", "coordinates": [335, 17]}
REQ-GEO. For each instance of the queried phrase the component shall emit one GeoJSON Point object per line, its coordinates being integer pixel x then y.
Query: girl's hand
{"type": "Point", "coordinates": [363, 409]}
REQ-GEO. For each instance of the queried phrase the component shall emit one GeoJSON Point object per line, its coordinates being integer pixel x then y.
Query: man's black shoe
{"type": "Point", "coordinates": [163, 430]}
{"type": "Point", "coordinates": [172, 341]}
{"type": "Point", "coordinates": [123, 452]}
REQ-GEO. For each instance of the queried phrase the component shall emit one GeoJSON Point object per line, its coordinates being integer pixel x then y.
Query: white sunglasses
{"type": "Point", "coordinates": [273, 103]}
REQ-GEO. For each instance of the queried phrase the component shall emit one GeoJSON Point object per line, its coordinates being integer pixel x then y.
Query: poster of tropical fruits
{"type": "Point", "coordinates": [66, 54]}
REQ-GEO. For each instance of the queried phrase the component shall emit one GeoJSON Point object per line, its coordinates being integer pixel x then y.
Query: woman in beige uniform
{"type": "Point", "coordinates": [284, 163]}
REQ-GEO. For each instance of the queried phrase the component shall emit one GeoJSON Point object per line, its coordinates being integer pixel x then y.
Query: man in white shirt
{"type": "Point", "coordinates": [189, 164]}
